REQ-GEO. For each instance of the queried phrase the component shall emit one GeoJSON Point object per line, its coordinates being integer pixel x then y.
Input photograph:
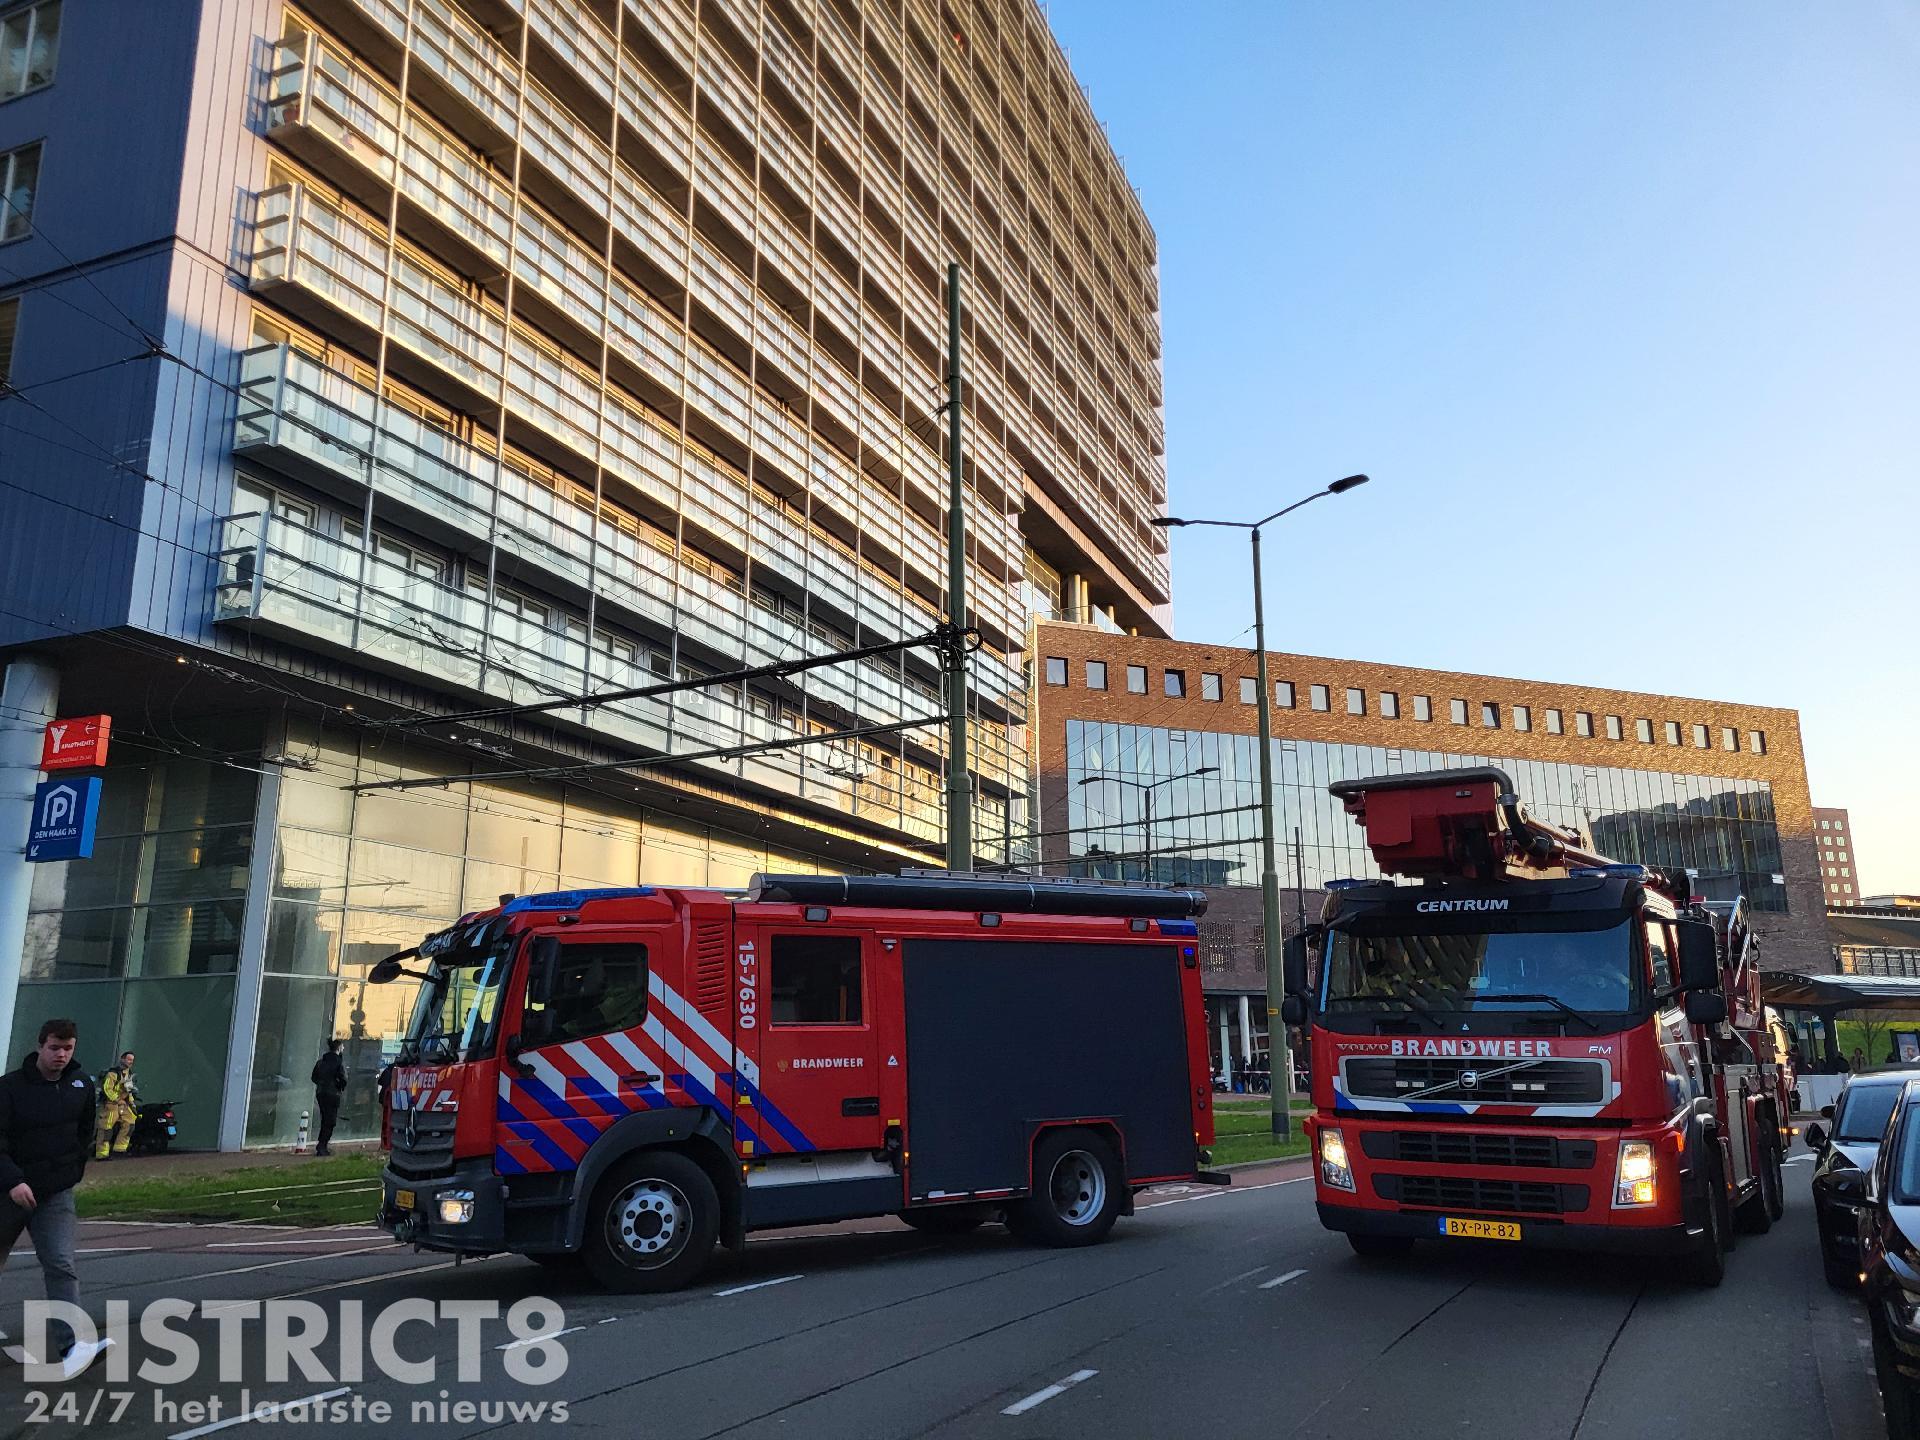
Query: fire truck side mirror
{"type": "Point", "coordinates": [1699, 956]}
{"type": "Point", "coordinates": [543, 965]}
{"type": "Point", "coordinates": [1706, 1007]}
{"type": "Point", "coordinates": [1293, 1010]}
{"type": "Point", "coordinates": [1293, 967]}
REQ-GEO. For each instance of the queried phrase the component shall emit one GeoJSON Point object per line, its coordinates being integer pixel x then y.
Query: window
{"type": "Point", "coordinates": [1661, 956]}
{"type": "Point", "coordinates": [1830, 874]}
{"type": "Point", "coordinates": [1847, 888]}
{"type": "Point", "coordinates": [1056, 670]}
{"type": "Point", "coordinates": [1700, 741]}
{"type": "Point", "coordinates": [1176, 684]}
{"type": "Point", "coordinates": [1643, 731]}
{"type": "Point", "coordinates": [1614, 732]}
{"type": "Point", "coordinates": [1249, 690]}
{"type": "Point", "coordinates": [815, 980]}
{"type": "Point", "coordinates": [1209, 686]}
{"type": "Point", "coordinates": [29, 48]}
{"type": "Point", "coordinates": [1583, 723]}
{"type": "Point", "coordinates": [9, 324]}
{"type": "Point", "coordinates": [1489, 715]}
{"type": "Point", "coordinates": [1422, 708]}
{"type": "Point", "coordinates": [1457, 709]}
{"type": "Point", "coordinates": [596, 990]}
{"type": "Point", "coordinates": [1136, 679]}
{"type": "Point", "coordinates": [19, 181]}
{"type": "Point", "coordinates": [1356, 701]}
{"type": "Point", "coordinates": [1673, 732]}
{"type": "Point", "coordinates": [1757, 741]}
{"type": "Point", "coordinates": [1840, 854]}
{"type": "Point", "coordinates": [1522, 718]}
{"type": "Point", "coordinates": [1389, 705]}
{"type": "Point", "coordinates": [1845, 873]}
{"type": "Point", "coordinates": [1556, 723]}
{"type": "Point", "coordinates": [1096, 674]}
{"type": "Point", "coordinates": [1728, 740]}
{"type": "Point", "coordinates": [1283, 694]}
{"type": "Point", "coordinates": [1826, 824]}
{"type": "Point", "coordinates": [1319, 698]}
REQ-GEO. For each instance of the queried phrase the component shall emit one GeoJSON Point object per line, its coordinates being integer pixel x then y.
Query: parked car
{"type": "Point", "coordinates": [1889, 1228]}
{"type": "Point", "coordinates": [1859, 1119]}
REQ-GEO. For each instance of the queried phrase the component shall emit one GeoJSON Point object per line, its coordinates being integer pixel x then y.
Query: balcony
{"type": "Point", "coordinates": [568, 151]}
{"type": "Point", "coordinates": [575, 35]}
{"type": "Point", "coordinates": [463, 195]}
{"type": "Point", "coordinates": [722, 289]}
{"type": "Point", "coordinates": [320, 104]}
{"type": "Point", "coordinates": [669, 25]}
{"type": "Point", "coordinates": [647, 222]}
{"type": "Point", "coordinates": [725, 89]}
{"type": "Point", "coordinates": [469, 62]}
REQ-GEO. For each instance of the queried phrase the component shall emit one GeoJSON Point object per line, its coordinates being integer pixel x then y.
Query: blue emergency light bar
{"type": "Point", "coordinates": [571, 899]}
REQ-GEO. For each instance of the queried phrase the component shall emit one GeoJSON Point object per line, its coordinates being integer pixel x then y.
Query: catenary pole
{"type": "Point", "coordinates": [959, 783]}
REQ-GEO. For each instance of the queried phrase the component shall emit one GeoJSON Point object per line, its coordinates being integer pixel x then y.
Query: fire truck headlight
{"type": "Point", "coordinates": [456, 1207]}
{"type": "Point", "coordinates": [1635, 1182]}
{"type": "Point", "coordinates": [1333, 1160]}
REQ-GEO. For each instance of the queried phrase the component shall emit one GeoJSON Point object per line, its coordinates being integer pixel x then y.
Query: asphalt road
{"type": "Point", "coordinates": [1211, 1313]}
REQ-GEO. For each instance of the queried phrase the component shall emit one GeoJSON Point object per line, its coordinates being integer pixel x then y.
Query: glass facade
{"type": "Point", "coordinates": [1204, 829]}
{"type": "Point", "coordinates": [360, 876]}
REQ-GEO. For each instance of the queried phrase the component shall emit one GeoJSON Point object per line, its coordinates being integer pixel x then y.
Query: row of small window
{"type": "Point", "coordinates": [1420, 707]}
{"type": "Point", "coordinates": [1843, 873]}
{"type": "Point", "coordinates": [1832, 825]}
{"type": "Point", "coordinates": [1833, 855]}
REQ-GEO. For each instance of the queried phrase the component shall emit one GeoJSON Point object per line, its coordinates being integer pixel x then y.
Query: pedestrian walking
{"type": "Point", "coordinates": [119, 1106]}
{"type": "Point", "coordinates": [46, 1120]}
{"type": "Point", "coordinates": [329, 1083]}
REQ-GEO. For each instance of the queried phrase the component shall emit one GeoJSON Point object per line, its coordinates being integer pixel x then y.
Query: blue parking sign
{"type": "Point", "coordinates": [64, 814]}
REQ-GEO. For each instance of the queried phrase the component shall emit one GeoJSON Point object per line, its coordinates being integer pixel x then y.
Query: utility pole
{"type": "Point", "coordinates": [1279, 1064]}
{"type": "Point", "coordinates": [959, 782]}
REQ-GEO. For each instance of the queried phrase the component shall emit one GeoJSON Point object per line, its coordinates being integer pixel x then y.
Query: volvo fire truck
{"type": "Point", "coordinates": [624, 1078]}
{"type": "Point", "coordinates": [1530, 1043]}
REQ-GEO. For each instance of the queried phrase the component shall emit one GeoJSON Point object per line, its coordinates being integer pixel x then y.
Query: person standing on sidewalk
{"type": "Point", "coordinates": [119, 1104]}
{"type": "Point", "coordinates": [329, 1083]}
{"type": "Point", "coordinates": [46, 1122]}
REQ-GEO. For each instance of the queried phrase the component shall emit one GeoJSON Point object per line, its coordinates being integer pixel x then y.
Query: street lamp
{"type": "Point", "coordinates": [1146, 789]}
{"type": "Point", "coordinates": [1279, 1065]}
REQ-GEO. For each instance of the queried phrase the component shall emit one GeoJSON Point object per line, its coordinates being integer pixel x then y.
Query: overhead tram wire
{"type": "Point", "coordinates": [141, 333]}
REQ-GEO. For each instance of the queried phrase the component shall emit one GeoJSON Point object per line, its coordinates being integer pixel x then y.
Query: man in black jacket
{"type": "Point", "coordinates": [46, 1122]}
{"type": "Point", "coordinates": [329, 1083]}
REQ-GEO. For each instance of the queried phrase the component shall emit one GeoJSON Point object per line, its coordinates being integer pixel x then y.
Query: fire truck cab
{"type": "Point", "coordinates": [1534, 1045]}
{"type": "Point", "coordinates": [625, 1078]}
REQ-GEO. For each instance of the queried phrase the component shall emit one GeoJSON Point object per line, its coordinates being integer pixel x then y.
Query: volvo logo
{"type": "Point", "coordinates": [1469, 1079]}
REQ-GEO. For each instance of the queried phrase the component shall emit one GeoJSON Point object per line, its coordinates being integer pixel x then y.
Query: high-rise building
{"type": "Point", "coordinates": [1147, 767]}
{"type": "Point", "coordinates": [1839, 868]}
{"type": "Point", "coordinates": [380, 361]}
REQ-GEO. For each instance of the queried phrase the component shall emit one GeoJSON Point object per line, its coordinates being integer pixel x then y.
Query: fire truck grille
{"type": "Point", "coordinates": [1439, 1147]}
{"type": "Point", "coordinates": [1511, 1082]}
{"type": "Point", "coordinates": [1450, 1192]}
{"type": "Point", "coordinates": [422, 1143]}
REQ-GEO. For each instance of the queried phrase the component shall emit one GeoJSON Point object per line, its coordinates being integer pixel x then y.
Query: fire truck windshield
{"type": "Point", "coordinates": [458, 1009]}
{"type": "Point", "coordinates": [1589, 971]}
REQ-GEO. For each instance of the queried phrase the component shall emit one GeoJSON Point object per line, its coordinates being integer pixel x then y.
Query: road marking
{"type": "Point", "coordinates": [292, 1260]}
{"type": "Point", "coordinates": [257, 1244]}
{"type": "Point", "coordinates": [757, 1285]}
{"type": "Point", "coordinates": [112, 1249]}
{"type": "Point", "coordinates": [1234, 1279]}
{"type": "Point", "coordinates": [534, 1340]}
{"type": "Point", "coordinates": [608, 1321]}
{"type": "Point", "coordinates": [1040, 1397]}
{"type": "Point", "coordinates": [1282, 1279]}
{"type": "Point", "coordinates": [1224, 1191]}
{"type": "Point", "coordinates": [260, 1412]}
{"type": "Point", "coordinates": [216, 1306]}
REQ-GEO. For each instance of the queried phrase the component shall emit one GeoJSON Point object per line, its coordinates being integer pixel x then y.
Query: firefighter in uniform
{"type": "Point", "coordinates": [119, 1097]}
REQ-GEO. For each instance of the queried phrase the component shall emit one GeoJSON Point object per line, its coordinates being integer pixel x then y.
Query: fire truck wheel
{"type": "Point", "coordinates": [1763, 1208]}
{"type": "Point", "coordinates": [653, 1224]}
{"type": "Point", "coordinates": [1380, 1247]}
{"type": "Point", "coordinates": [1077, 1191]}
{"type": "Point", "coordinates": [946, 1219]}
{"type": "Point", "coordinates": [1707, 1263]}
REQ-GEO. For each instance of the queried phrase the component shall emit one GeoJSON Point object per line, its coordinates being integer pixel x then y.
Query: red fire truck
{"type": "Point", "coordinates": [628, 1077]}
{"type": "Point", "coordinates": [1533, 1044]}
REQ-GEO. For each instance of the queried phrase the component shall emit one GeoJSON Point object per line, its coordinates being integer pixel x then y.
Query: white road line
{"type": "Point", "coordinates": [260, 1412]}
{"type": "Point", "coordinates": [257, 1244]}
{"type": "Point", "coordinates": [276, 1264]}
{"type": "Point", "coordinates": [1282, 1279]}
{"type": "Point", "coordinates": [540, 1339]}
{"type": "Point", "coordinates": [1224, 1191]}
{"type": "Point", "coordinates": [608, 1321]}
{"type": "Point", "coordinates": [112, 1249]}
{"type": "Point", "coordinates": [1040, 1397]}
{"type": "Point", "coordinates": [1234, 1279]}
{"type": "Point", "coordinates": [214, 1307]}
{"type": "Point", "coordinates": [756, 1285]}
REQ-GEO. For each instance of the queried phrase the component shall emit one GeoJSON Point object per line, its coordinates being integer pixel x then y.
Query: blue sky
{"type": "Point", "coordinates": [1620, 306]}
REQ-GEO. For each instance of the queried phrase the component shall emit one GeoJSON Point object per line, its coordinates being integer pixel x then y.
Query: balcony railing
{"type": "Point", "coordinates": [670, 25]}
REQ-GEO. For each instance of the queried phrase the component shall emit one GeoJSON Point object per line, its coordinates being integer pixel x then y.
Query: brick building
{"type": "Point", "coordinates": [1145, 766]}
{"type": "Point", "coordinates": [1839, 867]}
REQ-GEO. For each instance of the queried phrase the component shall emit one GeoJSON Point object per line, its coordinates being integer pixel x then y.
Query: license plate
{"type": "Point", "coordinates": [1479, 1229]}
{"type": "Point", "coordinates": [403, 1200]}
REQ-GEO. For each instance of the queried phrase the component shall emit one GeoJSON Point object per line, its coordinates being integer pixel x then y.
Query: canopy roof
{"type": "Point", "coordinates": [1840, 992]}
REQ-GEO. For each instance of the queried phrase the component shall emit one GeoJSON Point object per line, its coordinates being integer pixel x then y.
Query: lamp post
{"type": "Point", "coordinates": [1279, 1066]}
{"type": "Point", "coordinates": [1146, 789]}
